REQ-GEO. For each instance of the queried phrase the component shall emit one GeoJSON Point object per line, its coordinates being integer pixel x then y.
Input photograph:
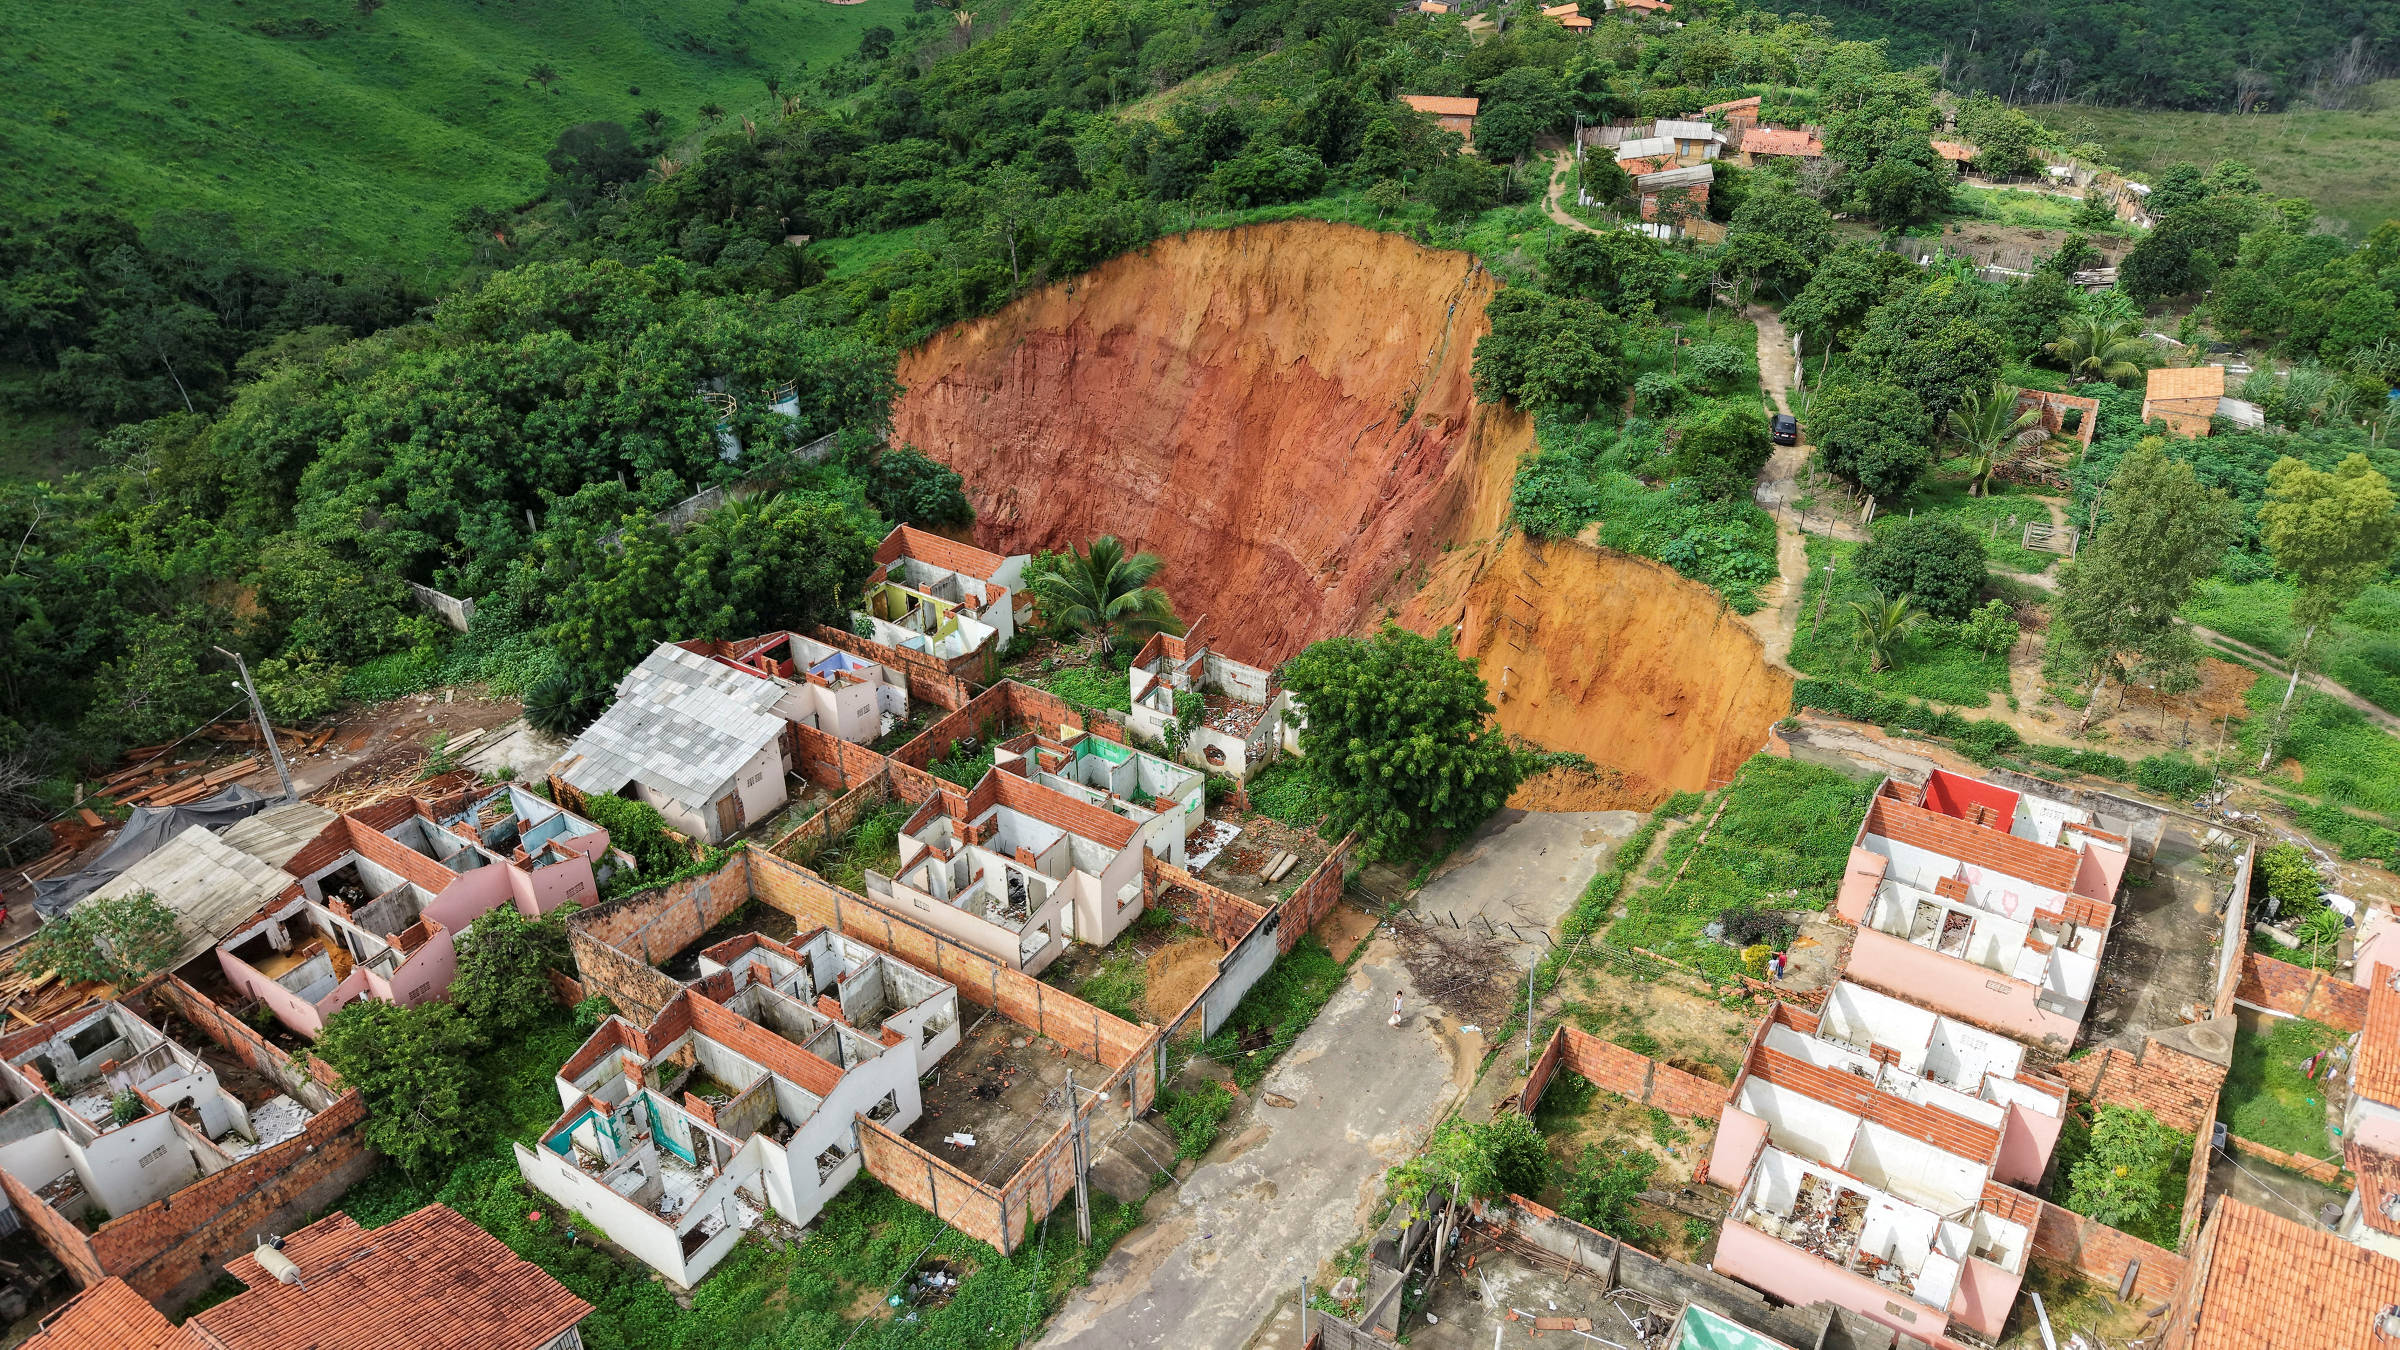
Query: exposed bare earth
{"type": "Point", "coordinates": [1286, 414]}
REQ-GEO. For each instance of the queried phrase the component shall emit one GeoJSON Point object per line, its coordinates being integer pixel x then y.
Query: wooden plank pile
{"type": "Point", "coordinates": [175, 784]}
{"type": "Point", "coordinates": [34, 997]}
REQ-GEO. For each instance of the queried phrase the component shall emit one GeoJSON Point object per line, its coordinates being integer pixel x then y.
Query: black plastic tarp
{"type": "Point", "coordinates": [142, 834]}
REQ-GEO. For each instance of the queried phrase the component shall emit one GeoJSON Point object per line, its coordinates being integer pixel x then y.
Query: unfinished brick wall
{"type": "Point", "coordinates": [1076, 1025]}
{"type": "Point", "coordinates": [2101, 1253]}
{"type": "Point", "coordinates": [2179, 1089]}
{"type": "Point", "coordinates": [996, 711]}
{"type": "Point", "coordinates": [813, 835]}
{"type": "Point", "coordinates": [2319, 996]}
{"type": "Point", "coordinates": [618, 944]}
{"type": "Point", "coordinates": [933, 1185]}
{"type": "Point", "coordinates": [1213, 910]}
{"type": "Point", "coordinates": [831, 762]}
{"type": "Point", "coordinates": [1316, 896]}
{"type": "Point", "coordinates": [308, 1079]}
{"type": "Point", "coordinates": [930, 680]}
{"type": "Point", "coordinates": [71, 1245]}
{"type": "Point", "coordinates": [1613, 1068]}
{"type": "Point", "coordinates": [2320, 1170]}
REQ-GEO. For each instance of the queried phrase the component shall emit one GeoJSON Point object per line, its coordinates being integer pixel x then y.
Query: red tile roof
{"type": "Point", "coordinates": [428, 1281]}
{"type": "Point", "coordinates": [907, 541]}
{"type": "Point", "coordinates": [2272, 1284]}
{"type": "Point", "coordinates": [110, 1314]}
{"type": "Point", "coordinates": [1442, 107]}
{"type": "Point", "coordinates": [1953, 1134]}
{"type": "Point", "coordinates": [1777, 141]}
{"type": "Point", "coordinates": [1974, 845]}
{"type": "Point", "coordinates": [1739, 105]}
{"type": "Point", "coordinates": [2170, 383]}
{"type": "Point", "coordinates": [2378, 1182]}
{"type": "Point", "coordinates": [2376, 1075]}
{"type": "Point", "coordinates": [1953, 151]}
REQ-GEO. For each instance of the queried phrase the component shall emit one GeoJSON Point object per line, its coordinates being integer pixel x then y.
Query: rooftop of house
{"type": "Point", "coordinates": [1645, 147]}
{"type": "Point", "coordinates": [2271, 1282]}
{"type": "Point", "coordinates": [1751, 104]}
{"type": "Point", "coordinates": [1660, 5]}
{"type": "Point", "coordinates": [275, 834]}
{"type": "Point", "coordinates": [2182, 382]}
{"type": "Point", "coordinates": [1440, 106]}
{"type": "Point", "coordinates": [2378, 1176]}
{"type": "Point", "coordinates": [682, 724]}
{"type": "Point", "coordinates": [2375, 1069]}
{"type": "Point", "coordinates": [1993, 830]}
{"type": "Point", "coordinates": [906, 541]}
{"type": "Point", "coordinates": [1955, 151]}
{"type": "Point", "coordinates": [1779, 141]}
{"type": "Point", "coordinates": [1696, 175]}
{"type": "Point", "coordinates": [1685, 129]}
{"type": "Point", "coordinates": [791, 656]}
{"type": "Point", "coordinates": [209, 885]}
{"type": "Point", "coordinates": [427, 1281]}
{"type": "Point", "coordinates": [110, 1314]}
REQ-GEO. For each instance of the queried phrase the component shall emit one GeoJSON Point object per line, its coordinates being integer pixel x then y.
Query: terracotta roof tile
{"type": "Point", "coordinates": [428, 1281]}
{"type": "Point", "coordinates": [2186, 382]}
{"type": "Point", "coordinates": [909, 542]}
{"type": "Point", "coordinates": [1973, 844]}
{"type": "Point", "coordinates": [110, 1314]}
{"type": "Point", "coordinates": [2274, 1285]}
{"type": "Point", "coordinates": [1750, 104]}
{"type": "Point", "coordinates": [2378, 1184]}
{"type": "Point", "coordinates": [1777, 141]}
{"type": "Point", "coordinates": [2377, 1068]}
{"type": "Point", "coordinates": [1954, 151]}
{"type": "Point", "coordinates": [1442, 107]}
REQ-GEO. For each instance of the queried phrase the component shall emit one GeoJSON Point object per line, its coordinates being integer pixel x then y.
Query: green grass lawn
{"type": "Point", "coordinates": [2340, 160]}
{"type": "Point", "coordinates": [1930, 664]}
{"type": "Point", "coordinates": [2021, 207]}
{"type": "Point", "coordinates": [2266, 1098]}
{"type": "Point", "coordinates": [2344, 759]}
{"type": "Point", "coordinates": [1781, 843]}
{"type": "Point", "coordinates": [336, 137]}
{"type": "Point", "coordinates": [1999, 520]}
{"type": "Point", "coordinates": [2362, 653]}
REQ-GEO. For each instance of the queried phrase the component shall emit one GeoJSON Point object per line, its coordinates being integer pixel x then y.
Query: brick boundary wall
{"type": "Point", "coordinates": [2195, 1179]}
{"type": "Point", "coordinates": [2100, 1253]}
{"type": "Point", "coordinates": [303, 1076]}
{"type": "Point", "coordinates": [617, 944]}
{"type": "Point", "coordinates": [2297, 991]}
{"type": "Point", "coordinates": [1005, 705]}
{"type": "Point", "coordinates": [1213, 910]}
{"type": "Point", "coordinates": [1315, 897]}
{"type": "Point", "coordinates": [817, 833]}
{"type": "Point", "coordinates": [929, 680]}
{"type": "Point", "coordinates": [2320, 1170]}
{"type": "Point", "coordinates": [1613, 1068]}
{"type": "Point", "coordinates": [2179, 1089]}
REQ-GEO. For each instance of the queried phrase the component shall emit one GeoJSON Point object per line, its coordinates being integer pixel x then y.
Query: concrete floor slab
{"type": "Point", "coordinates": [1290, 1186]}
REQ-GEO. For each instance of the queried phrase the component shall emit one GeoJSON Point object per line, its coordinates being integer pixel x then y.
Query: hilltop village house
{"type": "Point", "coordinates": [1234, 718]}
{"type": "Point", "coordinates": [1989, 905]}
{"type": "Point", "coordinates": [703, 731]}
{"type": "Point", "coordinates": [743, 1095]}
{"type": "Point", "coordinates": [379, 897]}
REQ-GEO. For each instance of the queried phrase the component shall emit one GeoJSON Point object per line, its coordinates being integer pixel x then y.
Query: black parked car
{"type": "Point", "coordinates": [1785, 428]}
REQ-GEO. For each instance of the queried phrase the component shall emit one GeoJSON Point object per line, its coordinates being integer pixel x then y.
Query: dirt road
{"type": "Point", "coordinates": [1558, 187]}
{"type": "Point", "coordinates": [1778, 616]}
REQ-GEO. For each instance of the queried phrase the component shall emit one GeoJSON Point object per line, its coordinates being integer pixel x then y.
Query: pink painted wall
{"type": "Point", "coordinates": [1740, 1136]}
{"type": "Point", "coordinates": [543, 889]}
{"type": "Point", "coordinates": [2099, 871]}
{"type": "Point", "coordinates": [1858, 884]}
{"type": "Point", "coordinates": [288, 1007]}
{"type": "Point", "coordinates": [470, 894]}
{"type": "Point", "coordinates": [1793, 1276]}
{"type": "Point", "coordinates": [1985, 1294]}
{"type": "Point", "coordinates": [1960, 988]}
{"type": "Point", "coordinates": [426, 974]}
{"type": "Point", "coordinates": [2026, 1140]}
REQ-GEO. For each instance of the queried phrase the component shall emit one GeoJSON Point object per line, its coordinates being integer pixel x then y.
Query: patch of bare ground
{"type": "Point", "coordinates": [1177, 973]}
{"type": "Point", "coordinates": [1472, 976]}
{"type": "Point", "coordinates": [1666, 1018]}
{"type": "Point", "coordinates": [1237, 869]}
{"type": "Point", "coordinates": [1342, 929]}
{"type": "Point", "coordinates": [1570, 788]}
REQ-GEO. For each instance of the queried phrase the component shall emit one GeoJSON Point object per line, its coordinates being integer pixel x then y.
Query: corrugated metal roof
{"type": "Point", "coordinates": [1683, 130]}
{"type": "Point", "coordinates": [275, 834]}
{"type": "Point", "coordinates": [209, 885]}
{"type": "Point", "coordinates": [682, 724]}
{"type": "Point", "coordinates": [1693, 176]}
{"type": "Point", "coordinates": [1645, 147]}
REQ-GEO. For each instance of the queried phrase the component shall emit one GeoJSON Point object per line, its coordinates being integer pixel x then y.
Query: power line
{"type": "Point", "coordinates": [162, 754]}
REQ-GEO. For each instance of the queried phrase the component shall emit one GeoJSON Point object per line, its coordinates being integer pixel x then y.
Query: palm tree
{"type": "Point", "coordinates": [2095, 348]}
{"type": "Point", "coordinates": [1102, 588]}
{"type": "Point", "coordinates": [1881, 626]}
{"type": "Point", "coordinates": [1990, 425]}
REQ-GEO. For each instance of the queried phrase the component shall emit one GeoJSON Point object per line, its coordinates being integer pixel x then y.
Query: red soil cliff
{"type": "Point", "coordinates": [1285, 414]}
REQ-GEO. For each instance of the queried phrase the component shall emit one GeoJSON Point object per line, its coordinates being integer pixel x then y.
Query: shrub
{"type": "Point", "coordinates": [1601, 1190]}
{"type": "Point", "coordinates": [1748, 927]}
{"type": "Point", "coordinates": [503, 982]}
{"type": "Point", "coordinates": [1194, 1117]}
{"type": "Point", "coordinates": [113, 940]}
{"type": "Point", "coordinates": [2289, 876]}
{"type": "Point", "coordinates": [594, 1010]}
{"type": "Point", "coordinates": [2174, 775]}
{"type": "Point", "coordinates": [640, 830]}
{"type": "Point", "coordinates": [2127, 1170]}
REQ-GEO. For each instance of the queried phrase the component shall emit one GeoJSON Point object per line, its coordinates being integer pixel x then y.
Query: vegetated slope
{"type": "Point", "coordinates": [2340, 158]}
{"type": "Point", "coordinates": [1618, 658]}
{"type": "Point", "coordinates": [342, 136]}
{"type": "Point", "coordinates": [1285, 413]}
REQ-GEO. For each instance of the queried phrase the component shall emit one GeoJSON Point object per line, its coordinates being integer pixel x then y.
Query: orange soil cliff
{"type": "Point", "coordinates": [1284, 412]}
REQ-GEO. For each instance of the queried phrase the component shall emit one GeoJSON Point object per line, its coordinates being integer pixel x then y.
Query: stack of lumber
{"type": "Point", "coordinates": [174, 784]}
{"type": "Point", "coordinates": [33, 997]}
{"type": "Point", "coordinates": [48, 863]}
{"type": "Point", "coordinates": [402, 781]}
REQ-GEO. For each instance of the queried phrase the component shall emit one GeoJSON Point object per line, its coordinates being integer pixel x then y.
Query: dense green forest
{"type": "Point", "coordinates": [281, 443]}
{"type": "Point", "coordinates": [2140, 53]}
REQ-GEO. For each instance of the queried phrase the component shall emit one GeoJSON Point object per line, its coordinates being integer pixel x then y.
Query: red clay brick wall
{"type": "Point", "coordinates": [929, 679]}
{"type": "Point", "coordinates": [1316, 896]}
{"type": "Point", "coordinates": [2320, 1170]}
{"type": "Point", "coordinates": [1530, 1096]}
{"type": "Point", "coordinates": [1005, 705]}
{"type": "Point", "coordinates": [833, 763]}
{"type": "Point", "coordinates": [71, 1245]}
{"type": "Point", "coordinates": [811, 836]}
{"type": "Point", "coordinates": [174, 1244]}
{"type": "Point", "coordinates": [933, 1185]}
{"type": "Point", "coordinates": [2179, 1089]}
{"type": "Point", "coordinates": [236, 1037]}
{"type": "Point", "coordinates": [1064, 1018]}
{"type": "Point", "coordinates": [2100, 1253]}
{"type": "Point", "coordinates": [2317, 995]}
{"type": "Point", "coordinates": [617, 944]}
{"type": "Point", "coordinates": [1613, 1068]}
{"type": "Point", "coordinates": [1217, 912]}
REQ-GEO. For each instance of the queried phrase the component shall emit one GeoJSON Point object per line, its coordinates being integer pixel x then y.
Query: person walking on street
{"type": "Point", "coordinates": [1395, 1007]}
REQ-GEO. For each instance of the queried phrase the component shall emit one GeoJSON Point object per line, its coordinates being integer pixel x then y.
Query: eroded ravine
{"type": "Point", "coordinates": [1286, 413]}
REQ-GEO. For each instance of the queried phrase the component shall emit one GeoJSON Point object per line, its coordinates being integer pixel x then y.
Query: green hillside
{"type": "Point", "coordinates": [336, 135]}
{"type": "Point", "coordinates": [2342, 160]}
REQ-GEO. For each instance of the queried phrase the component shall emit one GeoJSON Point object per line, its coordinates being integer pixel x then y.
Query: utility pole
{"type": "Point", "coordinates": [283, 772]}
{"type": "Point", "coordinates": [1082, 1145]}
{"type": "Point", "coordinates": [1529, 1015]}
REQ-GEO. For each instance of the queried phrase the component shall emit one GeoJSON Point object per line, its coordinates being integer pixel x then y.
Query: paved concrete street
{"type": "Point", "coordinates": [1523, 868]}
{"type": "Point", "coordinates": [1291, 1187]}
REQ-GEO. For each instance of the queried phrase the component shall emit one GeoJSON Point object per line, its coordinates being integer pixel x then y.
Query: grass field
{"type": "Point", "coordinates": [1930, 663]}
{"type": "Point", "coordinates": [2362, 653]}
{"type": "Point", "coordinates": [334, 137]}
{"type": "Point", "coordinates": [2340, 160]}
{"type": "Point", "coordinates": [2268, 1099]}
